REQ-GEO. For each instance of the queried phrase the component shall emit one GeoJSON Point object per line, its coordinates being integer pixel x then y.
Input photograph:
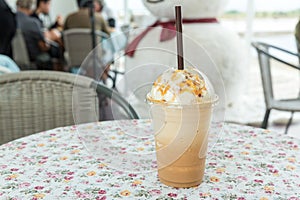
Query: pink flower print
{"type": "Point", "coordinates": [229, 156]}
{"type": "Point", "coordinates": [269, 189]}
{"type": "Point", "coordinates": [172, 195]}
{"type": "Point", "coordinates": [230, 187]}
{"type": "Point", "coordinates": [68, 178]}
{"type": "Point", "coordinates": [241, 198]}
{"type": "Point", "coordinates": [274, 171]}
{"type": "Point", "coordinates": [84, 195]}
{"type": "Point", "coordinates": [23, 185]}
{"type": "Point", "coordinates": [67, 188]}
{"type": "Point", "coordinates": [39, 187]}
{"type": "Point", "coordinates": [3, 166]}
{"type": "Point", "coordinates": [70, 173]}
{"type": "Point", "coordinates": [293, 198]}
{"type": "Point", "coordinates": [101, 192]}
{"type": "Point", "coordinates": [204, 194]}
{"type": "Point", "coordinates": [212, 164]}
{"type": "Point", "coordinates": [155, 192]}
{"type": "Point", "coordinates": [132, 175]}
{"type": "Point", "coordinates": [78, 193]}
{"type": "Point", "coordinates": [42, 161]}
{"type": "Point", "coordinates": [270, 166]}
{"type": "Point", "coordinates": [243, 178]}
{"type": "Point", "coordinates": [19, 148]}
{"type": "Point", "coordinates": [118, 172]}
{"type": "Point", "coordinates": [258, 181]}
{"type": "Point", "coordinates": [27, 159]}
{"type": "Point", "coordinates": [101, 198]}
{"type": "Point", "coordinates": [285, 181]}
{"type": "Point", "coordinates": [14, 169]}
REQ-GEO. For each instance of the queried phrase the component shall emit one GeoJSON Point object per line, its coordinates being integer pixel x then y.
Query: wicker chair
{"type": "Point", "coordinates": [78, 44]}
{"type": "Point", "coordinates": [34, 101]}
{"type": "Point", "coordinates": [20, 52]}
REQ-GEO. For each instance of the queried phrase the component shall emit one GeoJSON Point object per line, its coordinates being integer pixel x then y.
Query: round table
{"type": "Point", "coordinates": [246, 163]}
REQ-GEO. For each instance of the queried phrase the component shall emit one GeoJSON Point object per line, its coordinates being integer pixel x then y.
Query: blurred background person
{"type": "Point", "coordinates": [8, 28]}
{"type": "Point", "coordinates": [52, 30]}
{"type": "Point", "coordinates": [106, 12]}
{"type": "Point", "coordinates": [82, 19]}
{"type": "Point", "coordinates": [118, 38]}
{"type": "Point", "coordinates": [31, 29]}
{"type": "Point", "coordinates": [40, 51]}
{"type": "Point", "coordinates": [42, 13]}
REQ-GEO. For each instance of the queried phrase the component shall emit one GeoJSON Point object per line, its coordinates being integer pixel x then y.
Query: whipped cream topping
{"type": "Point", "coordinates": [179, 87]}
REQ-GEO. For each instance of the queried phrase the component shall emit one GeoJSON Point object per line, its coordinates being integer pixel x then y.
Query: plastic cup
{"type": "Point", "coordinates": [181, 139]}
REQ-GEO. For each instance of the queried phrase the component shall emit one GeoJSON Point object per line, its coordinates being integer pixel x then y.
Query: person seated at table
{"type": "Point", "coordinates": [7, 23]}
{"type": "Point", "coordinates": [39, 50]}
{"type": "Point", "coordinates": [52, 31]}
{"type": "Point", "coordinates": [82, 19]}
{"type": "Point", "coordinates": [106, 12]}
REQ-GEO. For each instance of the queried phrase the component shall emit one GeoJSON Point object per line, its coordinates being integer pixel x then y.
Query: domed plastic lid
{"type": "Point", "coordinates": [182, 87]}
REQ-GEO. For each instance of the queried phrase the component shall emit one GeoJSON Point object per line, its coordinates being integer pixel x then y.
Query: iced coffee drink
{"type": "Point", "coordinates": [181, 109]}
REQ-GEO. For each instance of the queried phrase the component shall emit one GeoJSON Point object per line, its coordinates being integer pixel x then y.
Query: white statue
{"type": "Point", "coordinates": [156, 49]}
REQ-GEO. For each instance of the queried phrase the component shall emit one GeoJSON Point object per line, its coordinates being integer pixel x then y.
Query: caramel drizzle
{"type": "Point", "coordinates": [189, 85]}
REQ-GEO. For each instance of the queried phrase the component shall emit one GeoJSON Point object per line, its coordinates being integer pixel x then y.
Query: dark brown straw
{"type": "Point", "coordinates": [180, 61]}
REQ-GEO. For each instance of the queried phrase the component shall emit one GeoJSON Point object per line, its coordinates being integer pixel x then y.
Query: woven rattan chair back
{"type": "Point", "coordinates": [78, 44]}
{"type": "Point", "coordinates": [34, 101]}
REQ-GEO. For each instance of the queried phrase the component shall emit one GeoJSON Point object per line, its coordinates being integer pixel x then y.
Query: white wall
{"type": "Point", "coordinates": [63, 7]}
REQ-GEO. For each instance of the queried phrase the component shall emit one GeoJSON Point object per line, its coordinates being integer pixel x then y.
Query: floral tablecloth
{"type": "Point", "coordinates": [246, 163]}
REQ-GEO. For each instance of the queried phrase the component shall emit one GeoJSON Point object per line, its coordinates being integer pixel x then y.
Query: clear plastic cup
{"type": "Point", "coordinates": [181, 138]}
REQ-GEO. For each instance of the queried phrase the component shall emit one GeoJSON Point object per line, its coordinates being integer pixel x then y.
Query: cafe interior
{"type": "Point", "coordinates": [149, 99]}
